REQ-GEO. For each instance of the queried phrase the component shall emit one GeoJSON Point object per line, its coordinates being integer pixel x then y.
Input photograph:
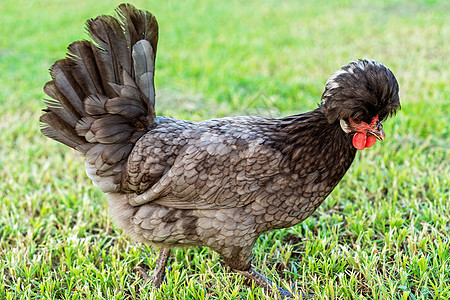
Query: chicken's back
{"type": "Point", "coordinates": [202, 165]}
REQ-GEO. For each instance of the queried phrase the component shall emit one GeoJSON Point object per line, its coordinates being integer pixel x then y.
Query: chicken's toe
{"type": "Point", "coordinates": [159, 274]}
{"type": "Point", "coordinates": [252, 275]}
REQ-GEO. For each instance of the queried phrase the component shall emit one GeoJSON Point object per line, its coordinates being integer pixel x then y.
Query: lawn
{"type": "Point", "coordinates": [382, 234]}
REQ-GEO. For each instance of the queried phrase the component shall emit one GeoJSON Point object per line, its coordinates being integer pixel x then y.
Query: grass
{"type": "Point", "coordinates": [382, 234]}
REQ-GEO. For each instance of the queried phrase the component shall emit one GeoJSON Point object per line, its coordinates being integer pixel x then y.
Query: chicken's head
{"type": "Point", "coordinates": [360, 96]}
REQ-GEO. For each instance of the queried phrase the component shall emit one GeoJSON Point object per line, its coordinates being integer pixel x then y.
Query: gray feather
{"type": "Point", "coordinates": [144, 68]}
{"type": "Point", "coordinates": [87, 74]}
{"type": "Point", "coordinates": [95, 104]}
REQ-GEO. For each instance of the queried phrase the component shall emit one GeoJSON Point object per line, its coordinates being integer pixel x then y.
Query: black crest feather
{"type": "Point", "coordinates": [361, 90]}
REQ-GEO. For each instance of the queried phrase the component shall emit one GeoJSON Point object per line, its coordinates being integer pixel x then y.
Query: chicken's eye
{"type": "Point", "coordinates": [365, 119]}
{"type": "Point", "coordinates": [356, 120]}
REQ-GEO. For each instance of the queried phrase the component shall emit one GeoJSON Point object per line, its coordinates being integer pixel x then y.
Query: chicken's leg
{"type": "Point", "coordinates": [158, 274]}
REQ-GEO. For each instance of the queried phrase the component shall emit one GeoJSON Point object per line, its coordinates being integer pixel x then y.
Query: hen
{"type": "Point", "coordinates": [218, 183]}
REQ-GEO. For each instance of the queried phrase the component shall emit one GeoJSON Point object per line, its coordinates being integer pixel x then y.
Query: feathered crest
{"type": "Point", "coordinates": [360, 90]}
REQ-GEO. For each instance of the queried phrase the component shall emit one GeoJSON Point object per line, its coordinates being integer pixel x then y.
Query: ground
{"type": "Point", "coordinates": [382, 234]}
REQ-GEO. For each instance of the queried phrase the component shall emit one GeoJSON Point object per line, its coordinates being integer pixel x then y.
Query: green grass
{"type": "Point", "coordinates": [382, 234]}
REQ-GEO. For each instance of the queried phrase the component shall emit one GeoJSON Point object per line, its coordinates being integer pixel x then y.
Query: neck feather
{"type": "Point", "coordinates": [310, 143]}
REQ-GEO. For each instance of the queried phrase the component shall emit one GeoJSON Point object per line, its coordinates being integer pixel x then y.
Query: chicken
{"type": "Point", "coordinates": [219, 183]}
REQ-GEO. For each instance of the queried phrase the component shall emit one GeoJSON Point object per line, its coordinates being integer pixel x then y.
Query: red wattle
{"type": "Point", "coordinates": [359, 140]}
{"type": "Point", "coordinates": [362, 140]}
{"type": "Point", "coordinates": [370, 141]}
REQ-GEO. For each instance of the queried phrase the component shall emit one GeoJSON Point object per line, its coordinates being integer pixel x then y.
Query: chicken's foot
{"type": "Point", "coordinates": [158, 276]}
{"type": "Point", "coordinates": [264, 282]}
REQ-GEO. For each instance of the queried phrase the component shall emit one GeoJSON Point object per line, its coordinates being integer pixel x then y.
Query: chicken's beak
{"type": "Point", "coordinates": [377, 131]}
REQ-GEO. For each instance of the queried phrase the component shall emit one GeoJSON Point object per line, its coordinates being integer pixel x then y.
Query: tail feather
{"type": "Point", "coordinates": [69, 117]}
{"type": "Point", "coordinates": [60, 131]}
{"type": "Point", "coordinates": [87, 74]}
{"type": "Point", "coordinates": [95, 104]}
{"type": "Point", "coordinates": [104, 93]}
{"type": "Point", "coordinates": [64, 83]}
{"type": "Point", "coordinates": [144, 68]}
{"type": "Point", "coordinates": [111, 52]}
{"type": "Point", "coordinates": [142, 25]}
